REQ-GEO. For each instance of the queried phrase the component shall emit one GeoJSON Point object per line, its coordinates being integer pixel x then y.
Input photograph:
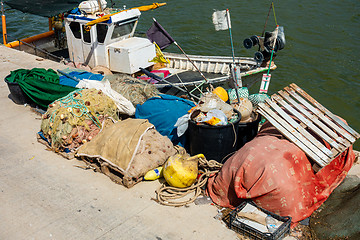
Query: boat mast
{"type": "Point", "coordinates": [100, 7]}
{"type": "Point", "coordinates": [3, 20]}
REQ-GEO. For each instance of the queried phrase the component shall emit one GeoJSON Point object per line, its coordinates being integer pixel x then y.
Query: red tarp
{"type": "Point", "coordinates": [277, 176]}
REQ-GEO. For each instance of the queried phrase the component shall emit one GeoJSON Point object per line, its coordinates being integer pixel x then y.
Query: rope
{"type": "Point", "coordinates": [272, 3]}
{"type": "Point", "coordinates": [169, 196]}
{"type": "Point", "coordinates": [267, 18]}
{"type": "Point", "coordinates": [277, 32]}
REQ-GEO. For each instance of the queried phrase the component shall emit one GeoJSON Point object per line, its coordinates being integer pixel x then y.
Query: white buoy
{"type": "Point", "coordinates": [92, 6]}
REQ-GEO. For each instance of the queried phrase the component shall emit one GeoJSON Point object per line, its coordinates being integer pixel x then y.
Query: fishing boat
{"type": "Point", "coordinates": [216, 68]}
{"type": "Point", "coordinates": [96, 35]}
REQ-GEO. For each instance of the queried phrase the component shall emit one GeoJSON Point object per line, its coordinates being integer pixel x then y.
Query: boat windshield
{"type": "Point", "coordinates": [122, 29]}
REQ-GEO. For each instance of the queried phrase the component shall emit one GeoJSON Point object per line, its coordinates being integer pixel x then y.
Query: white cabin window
{"type": "Point", "coordinates": [86, 35]}
{"type": "Point", "coordinates": [101, 31]}
{"type": "Point", "coordinates": [75, 29]}
{"type": "Point", "coordinates": [121, 29]}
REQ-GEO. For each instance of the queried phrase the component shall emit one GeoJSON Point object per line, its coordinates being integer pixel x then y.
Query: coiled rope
{"type": "Point", "coordinates": [171, 196]}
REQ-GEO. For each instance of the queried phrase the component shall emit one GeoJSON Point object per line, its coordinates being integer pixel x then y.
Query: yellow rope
{"type": "Point", "coordinates": [274, 12]}
{"type": "Point", "coordinates": [107, 17]}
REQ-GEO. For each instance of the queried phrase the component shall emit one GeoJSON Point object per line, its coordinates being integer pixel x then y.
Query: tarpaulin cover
{"type": "Point", "coordinates": [64, 80]}
{"type": "Point", "coordinates": [41, 85]}
{"type": "Point", "coordinates": [278, 176]}
{"type": "Point", "coordinates": [163, 112]}
{"type": "Point", "coordinates": [45, 8]}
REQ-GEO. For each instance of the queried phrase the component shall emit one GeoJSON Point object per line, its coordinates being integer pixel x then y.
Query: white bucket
{"type": "Point", "coordinates": [92, 6]}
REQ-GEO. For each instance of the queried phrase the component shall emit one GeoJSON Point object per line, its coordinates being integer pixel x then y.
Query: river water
{"type": "Point", "coordinates": [322, 52]}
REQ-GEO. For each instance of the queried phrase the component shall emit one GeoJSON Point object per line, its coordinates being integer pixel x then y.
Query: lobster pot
{"type": "Point", "coordinates": [92, 6]}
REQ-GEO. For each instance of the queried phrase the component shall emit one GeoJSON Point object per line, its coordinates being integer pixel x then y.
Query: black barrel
{"type": "Point", "coordinates": [215, 142]}
{"type": "Point", "coordinates": [16, 93]}
{"type": "Point", "coordinates": [247, 131]}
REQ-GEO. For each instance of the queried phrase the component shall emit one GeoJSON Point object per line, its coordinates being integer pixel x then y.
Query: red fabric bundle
{"type": "Point", "coordinates": [277, 176]}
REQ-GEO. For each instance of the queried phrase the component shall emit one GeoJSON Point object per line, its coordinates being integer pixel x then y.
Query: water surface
{"type": "Point", "coordinates": [322, 53]}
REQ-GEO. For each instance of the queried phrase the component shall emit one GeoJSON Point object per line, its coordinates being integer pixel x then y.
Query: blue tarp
{"type": "Point", "coordinates": [79, 75]}
{"type": "Point", "coordinates": [163, 112]}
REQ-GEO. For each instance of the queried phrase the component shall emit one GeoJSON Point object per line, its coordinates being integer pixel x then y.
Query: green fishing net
{"type": "Point", "coordinates": [39, 84]}
{"type": "Point", "coordinates": [258, 98]}
{"type": "Point", "coordinates": [339, 216]}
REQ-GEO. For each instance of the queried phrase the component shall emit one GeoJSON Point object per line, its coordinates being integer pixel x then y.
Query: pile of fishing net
{"type": "Point", "coordinates": [130, 147]}
{"type": "Point", "coordinates": [133, 89]}
{"type": "Point", "coordinates": [76, 118]}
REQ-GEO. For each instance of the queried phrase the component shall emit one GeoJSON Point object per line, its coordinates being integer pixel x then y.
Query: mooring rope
{"type": "Point", "coordinates": [169, 196]}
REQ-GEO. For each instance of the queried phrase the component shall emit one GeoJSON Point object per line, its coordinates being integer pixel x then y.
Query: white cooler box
{"type": "Point", "coordinates": [128, 55]}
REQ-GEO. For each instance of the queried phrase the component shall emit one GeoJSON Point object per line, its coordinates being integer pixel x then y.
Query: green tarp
{"type": "Point", "coordinates": [41, 85]}
{"type": "Point", "coordinates": [45, 8]}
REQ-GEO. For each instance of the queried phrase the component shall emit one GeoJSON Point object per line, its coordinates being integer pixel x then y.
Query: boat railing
{"type": "Point", "coordinates": [36, 49]}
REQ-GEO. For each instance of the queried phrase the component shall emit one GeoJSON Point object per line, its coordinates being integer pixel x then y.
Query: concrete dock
{"type": "Point", "coordinates": [45, 196]}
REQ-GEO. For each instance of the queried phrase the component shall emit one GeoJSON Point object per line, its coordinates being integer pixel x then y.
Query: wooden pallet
{"type": "Point", "coordinates": [312, 116]}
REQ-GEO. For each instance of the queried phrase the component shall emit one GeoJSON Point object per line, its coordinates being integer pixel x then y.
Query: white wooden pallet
{"type": "Point", "coordinates": [314, 120]}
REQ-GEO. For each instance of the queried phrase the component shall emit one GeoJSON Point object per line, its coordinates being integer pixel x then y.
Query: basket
{"type": "Point", "coordinates": [253, 233]}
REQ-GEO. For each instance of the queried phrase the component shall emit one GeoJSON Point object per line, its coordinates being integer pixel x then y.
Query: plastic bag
{"type": "Point", "coordinates": [215, 117]}
{"type": "Point", "coordinates": [182, 124]}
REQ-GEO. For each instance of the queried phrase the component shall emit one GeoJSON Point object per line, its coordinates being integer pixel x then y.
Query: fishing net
{"type": "Point", "coordinates": [133, 89]}
{"type": "Point", "coordinates": [76, 118]}
{"type": "Point", "coordinates": [243, 93]}
{"type": "Point", "coordinates": [131, 147]}
{"type": "Point", "coordinates": [258, 98]}
{"type": "Point", "coordinates": [338, 218]}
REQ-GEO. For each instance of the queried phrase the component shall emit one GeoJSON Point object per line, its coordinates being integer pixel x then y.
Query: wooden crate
{"type": "Point", "coordinates": [314, 119]}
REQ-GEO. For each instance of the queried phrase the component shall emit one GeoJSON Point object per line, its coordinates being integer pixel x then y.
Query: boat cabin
{"type": "Point", "coordinates": [110, 43]}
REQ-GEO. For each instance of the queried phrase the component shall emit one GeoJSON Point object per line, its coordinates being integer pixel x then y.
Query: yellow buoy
{"type": "Point", "coordinates": [180, 172]}
{"type": "Point", "coordinates": [221, 92]}
{"type": "Point", "coordinates": [154, 174]}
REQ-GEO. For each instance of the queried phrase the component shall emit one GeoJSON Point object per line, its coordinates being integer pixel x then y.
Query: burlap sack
{"type": "Point", "coordinates": [132, 147]}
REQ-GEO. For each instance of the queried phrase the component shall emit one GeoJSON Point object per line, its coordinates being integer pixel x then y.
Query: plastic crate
{"type": "Point", "coordinates": [253, 233]}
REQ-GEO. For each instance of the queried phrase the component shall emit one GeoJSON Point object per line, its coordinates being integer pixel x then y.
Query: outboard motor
{"type": "Point", "coordinates": [266, 44]}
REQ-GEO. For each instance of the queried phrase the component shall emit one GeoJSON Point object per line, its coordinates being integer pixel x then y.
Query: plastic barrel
{"type": "Point", "coordinates": [17, 94]}
{"type": "Point", "coordinates": [247, 131]}
{"type": "Point", "coordinates": [215, 142]}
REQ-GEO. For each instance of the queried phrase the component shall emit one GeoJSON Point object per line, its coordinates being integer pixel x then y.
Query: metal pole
{"type": "Point", "coordinates": [191, 61]}
{"type": "Point", "coordinates": [273, 48]}
{"type": "Point", "coordinates": [100, 7]}
{"type": "Point", "coordinates": [167, 82]}
{"type": "Point", "coordinates": [233, 55]}
{"type": "Point", "coordinates": [3, 20]}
